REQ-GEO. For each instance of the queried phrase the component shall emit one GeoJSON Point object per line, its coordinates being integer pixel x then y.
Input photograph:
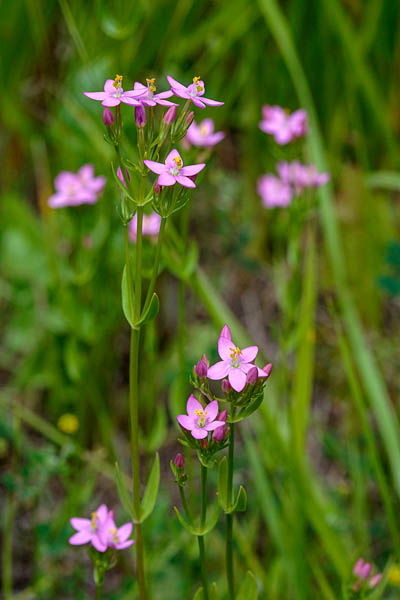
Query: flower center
{"type": "Point", "coordinates": [95, 518]}
{"type": "Point", "coordinates": [201, 417]}
{"type": "Point", "coordinates": [178, 166]}
{"type": "Point", "coordinates": [113, 532]}
{"type": "Point", "coordinates": [151, 84]}
{"type": "Point", "coordinates": [195, 87]}
{"type": "Point", "coordinates": [236, 352]}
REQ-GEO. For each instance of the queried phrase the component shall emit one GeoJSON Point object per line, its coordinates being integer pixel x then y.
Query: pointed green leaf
{"type": "Point", "coordinates": [240, 502]}
{"type": "Point", "coordinates": [126, 305]}
{"type": "Point", "coordinates": [185, 524]}
{"type": "Point", "coordinates": [211, 521]}
{"type": "Point", "coordinates": [123, 493]}
{"type": "Point", "coordinates": [249, 589]}
{"type": "Point", "coordinates": [199, 595]}
{"type": "Point", "coordinates": [248, 410]}
{"type": "Point", "coordinates": [151, 312]}
{"type": "Point", "coordinates": [213, 591]}
{"type": "Point", "coordinates": [223, 483]}
{"type": "Point", "coordinates": [151, 491]}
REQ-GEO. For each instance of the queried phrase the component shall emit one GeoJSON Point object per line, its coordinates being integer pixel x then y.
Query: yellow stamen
{"type": "Point", "coordinates": [236, 352]}
{"type": "Point", "coordinates": [95, 518]}
{"type": "Point", "coordinates": [151, 83]}
{"type": "Point", "coordinates": [178, 162]}
{"type": "Point", "coordinates": [196, 80]}
{"type": "Point", "coordinates": [117, 81]}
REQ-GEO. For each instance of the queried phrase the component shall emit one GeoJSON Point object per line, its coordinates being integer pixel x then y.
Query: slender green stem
{"type": "Point", "coordinates": [99, 591]}
{"type": "Point", "coordinates": [134, 391]}
{"type": "Point", "coordinates": [203, 516]}
{"type": "Point", "coordinates": [185, 504]}
{"type": "Point", "coordinates": [229, 517]}
{"type": "Point", "coordinates": [156, 263]}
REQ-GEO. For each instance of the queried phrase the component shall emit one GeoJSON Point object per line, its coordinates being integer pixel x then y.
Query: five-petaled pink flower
{"type": "Point", "coordinates": [73, 189]}
{"type": "Point", "coordinates": [199, 421]}
{"type": "Point", "coordinates": [173, 170]}
{"type": "Point", "coordinates": [194, 92]}
{"type": "Point", "coordinates": [274, 191]}
{"type": "Point", "coordinates": [114, 94]}
{"type": "Point", "coordinates": [146, 94]}
{"type": "Point", "coordinates": [283, 126]}
{"type": "Point", "coordinates": [203, 134]}
{"type": "Point", "coordinates": [116, 537]}
{"type": "Point", "coordinates": [91, 530]}
{"type": "Point", "coordinates": [235, 362]}
{"type": "Point", "coordinates": [150, 226]}
{"type": "Point", "coordinates": [301, 176]}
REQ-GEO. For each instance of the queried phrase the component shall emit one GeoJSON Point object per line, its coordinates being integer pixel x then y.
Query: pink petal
{"type": "Point", "coordinates": [226, 332]}
{"type": "Point", "coordinates": [95, 95]}
{"type": "Point", "coordinates": [109, 86]}
{"type": "Point", "coordinates": [186, 422]}
{"type": "Point", "coordinates": [110, 101]}
{"type": "Point", "coordinates": [199, 433]}
{"type": "Point", "coordinates": [80, 524]}
{"type": "Point", "coordinates": [237, 379]}
{"type": "Point", "coordinates": [214, 425]}
{"type": "Point", "coordinates": [154, 166]}
{"type": "Point", "coordinates": [192, 405]}
{"type": "Point", "coordinates": [130, 101]}
{"type": "Point", "coordinates": [166, 94]}
{"type": "Point", "coordinates": [98, 544]}
{"type": "Point", "coordinates": [175, 84]}
{"type": "Point", "coordinates": [102, 512]}
{"type": "Point", "coordinates": [169, 161]}
{"type": "Point", "coordinates": [197, 102]}
{"type": "Point", "coordinates": [124, 532]}
{"type": "Point", "coordinates": [185, 181]}
{"type": "Point", "coordinates": [83, 537]}
{"type": "Point", "coordinates": [249, 353]}
{"type": "Point", "coordinates": [211, 102]}
{"type": "Point", "coordinates": [166, 179]}
{"type": "Point", "coordinates": [225, 348]}
{"type": "Point", "coordinates": [124, 544]}
{"type": "Point", "coordinates": [192, 169]}
{"type": "Point", "coordinates": [212, 410]}
{"type": "Point", "coordinates": [219, 370]}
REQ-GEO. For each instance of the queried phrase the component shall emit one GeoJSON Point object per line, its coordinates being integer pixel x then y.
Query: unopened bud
{"type": "Point", "coordinates": [201, 369]}
{"type": "Point", "coordinates": [189, 119]}
{"type": "Point", "coordinates": [108, 117]}
{"type": "Point", "coordinates": [226, 332]}
{"type": "Point", "coordinates": [179, 461]}
{"type": "Point", "coordinates": [203, 444]}
{"type": "Point", "coordinates": [123, 179]}
{"type": "Point", "coordinates": [226, 386]}
{"type": "Point", "coordinates": [223, 415]}
{"type": "Point", "coordinates": [252, 375]}
{"type": "Point", "coordinates": [140, 116]}
{"type": "Point", "coordinates": [373, 582]}
{"type": "Point", "coordinates": [170, 116]}
{"type": "Point", "coordinates": [204, 357]}
{"type": "Point", "coordinates": [267, 369]}
{"type": "Point", "coordinates": [157, 188]}
{"type": "Point", "coordinates": [218, 434]}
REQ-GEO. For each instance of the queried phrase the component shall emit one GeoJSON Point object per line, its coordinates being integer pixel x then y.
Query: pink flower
{"type": "Point", "coordinates": [301, 176]}
{"type": "Point", "coordinates": [373, 582]}
{"type": "Point", "coordinates": [73, 189]}
{"type": "Point", "coordinates": [235, 363]}
{"type": "Point", "coordinates": [194, 92]}
{"type": "Point", "coordinates": [151, 226]}
{"type": "Point", "coordinates": [114, 94]}
{"type": "Point", "coordinates": [116, 537]}
{"type": "Point", "coordinates": [173, 170]}
{"type": "Point", "coordinates": [90, 530]}
{"type": "Point", "coordinates": [274, 191]}
{"type": "Point", "coordinates": [199, 421]}
{"type": "Point", "coordinates": [203, 134]}
{"type": "Point", "coordinates": [362, 571]}
{"type": "Point", "coordinates": [146, 94]}
{"type": "Point", "coordinates": [283, 126]}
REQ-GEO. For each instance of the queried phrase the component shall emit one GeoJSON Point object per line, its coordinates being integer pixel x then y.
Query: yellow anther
{"type": "Point", "coordinates": [236, 352]}
{"type": "Point", "coordinates": [113, 531]}
{"type": "Point", "coordinates": [151, 83]}
{"type": "Point", "coordinates": [94, 519]}
{"type": "Point", "coordinates": [178, 162]}
{"type": "Point", "coordinates": [117, 81]}
{"type": "Point", "coordinates": [196, 80]}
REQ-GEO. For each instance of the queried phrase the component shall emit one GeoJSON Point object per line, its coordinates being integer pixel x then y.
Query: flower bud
{"type": "Point", "coordinates": [365, 571]}
{"type": "Point", "coordinates": [375, 580]}
{"type": "Point", "coordinates": [203, 444]}
{"type": "Point", "coordinates": [189, 119]}
{"type": "Point", "coordinates": [223, 415]}
{"type": "Point", "coordinates": [170, 115]}
{"type": "Point", "coordinates": [179, 461]}
{"type": "Point", "coordinates": [226, 332]}
{"type": "Point", "coordinates": [201, 369]}
{"type": "Point", "coordinates": [252, 375]}
{"type": "Point", "coordinates": [204, 357]}
{"type": "Point", "coordinates": [226, 386]}
{"type": "Point", "coordinates": [218, 434]}
{"type": "Point", "coordinates": [125, 178]}
{"type": "Point", "coordinates": [157, 188]}
{"type": "Point", "coordinates": [108, 117]}
{"type": "Point", "coordinates": [267, 369]}
{"type": "Point", "coordinates": [140, 115]}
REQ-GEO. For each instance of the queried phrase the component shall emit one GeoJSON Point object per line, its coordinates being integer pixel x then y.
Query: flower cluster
{"type": "Point", "coordinates": [362, 573]}
{"type": "Point", "coordinates": [285, 127]}
{"type": "Point", "coordinates": [101, 531]}
{"type": "Point", "coordinates": [73, 189]}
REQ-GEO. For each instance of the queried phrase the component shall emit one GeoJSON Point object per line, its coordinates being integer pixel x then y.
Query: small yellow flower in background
{"type": "Point", "coordinates": [394, 575]}
{"type": "Point", "coordinates": [68, 423]}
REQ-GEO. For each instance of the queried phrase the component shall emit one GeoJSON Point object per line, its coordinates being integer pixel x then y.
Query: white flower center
{"type": "Point", "coordinates": [235, 353]}
{"type": "Point", "coordinates": [202, 418]}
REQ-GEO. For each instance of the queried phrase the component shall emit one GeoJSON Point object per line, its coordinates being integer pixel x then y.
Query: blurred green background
{"type": "Point", "coordinates": [322, 463]}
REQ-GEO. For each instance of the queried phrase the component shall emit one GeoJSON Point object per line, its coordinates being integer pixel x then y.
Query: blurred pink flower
{"type": "Point", "coordinates": [151, 226]}
{"type": "Point", "coordinates": [194, 92]}
{"type": "Point", "coordinates": [301, 176]}
{"type": "Point", "coordinates": [173, 170]}
{"type": "Point", "coordinates": [283, 126]}
{"type": "Point", "coordinates": [116, 537]}
{"type": "Point", "coordinates": [203, 134]}
{"type": "Point", "coordinates": [146, 94]}
{"type": "Point", "coordinates": [114, 94]}
{"type": "Point", "coordinates": [90, 530]}
{"type": "Point", "coordinates": [199, 421]}
{"type": "Point", "coordinates": [274, 191]}
{"type": "Point", "coordinates": [73, 189]}
{"type": "Point", "coordinates": [362, 571]}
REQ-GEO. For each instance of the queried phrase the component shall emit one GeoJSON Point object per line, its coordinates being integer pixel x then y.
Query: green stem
{"type": "Point", "coordinates": [185, 504]}
{"type": "Point", "coordinates": [200, 538]}
{"type": "Point", "coordinates": [229, 517]}
{"type": "Point", "coordinates": [156, 263]}
{"type": "Point", "coordinates": [99, 591]}
{"type": "Point", "coordinates": [134, 391]}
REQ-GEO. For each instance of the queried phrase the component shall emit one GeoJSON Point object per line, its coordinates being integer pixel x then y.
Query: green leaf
{"type": "Point", "coordinates": [386, 180]}
{"type": "Point", "coordinates": [126, 305]}
{"type": "Point", "coordinates": [151, 491]}
{"type": "Point", "coordinates": [190, 528]}
{"type": "Point", "coordinates": [213, 591]}
{"type": "Point", "coordinates": [211, 521]}
{"type": "Point", "coordinates": [121, 185]}
{"type": "Point", "coordinates": [240, 502]}
{"type": "Point", "coordinates": [123, 493]}
{"type": "Point", "coordinates": [199, 595]}
{"type": "Point", "coordinates": [248, 410]}
{"type": "Point", "coordinates": [249, 589]}
{"type": "Point", "coordinates": [151, 311]}
{"type": "Point", "coordinates": [223, 483]}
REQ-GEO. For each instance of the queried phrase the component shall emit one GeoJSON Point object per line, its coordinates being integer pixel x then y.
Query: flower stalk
{"type": "Point", "coordinates": [203, 516]}
{"type": "Point", "coordinates": [229, 516]}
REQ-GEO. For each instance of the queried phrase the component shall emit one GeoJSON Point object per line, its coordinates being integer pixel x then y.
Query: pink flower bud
{"type": "Point", "coordinates": [218, 434]}
{"type": "Point", "coordinates": [226, 386]}
{"type": "Point", "coordinates": [108, 117]}
{"type": "Point", "coordinates": [223, 415]}
{"type": "Point", "coordinates": [365, 571]}
{"type": "Point", "coordinates": [375, 580]}
{"type": "Point", "coordinates": [358, 566]}
{"type": "Point", "coordinates": [252, 375]}
{"type": "Point", "coordinates": [204, 444]}
{"type": "Point", "coordinates": [140, 116]}
{"type": "Point", "coordinates": [201, 369]}
{"type": "Point", "coordinates": [267, 369]}
{"type": "Point", "coordinates": [170, 115]}
{"type": "Point", "coordinates": [226, 332]}
{"type": "Point", "coordinates": [179, 461]}
{"type": "Point", "coordinates": [189, 119]}
{"type": "Point", "coordinates": [157, 188]}
{"type": "Point", "coordinates": [204, 357]}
